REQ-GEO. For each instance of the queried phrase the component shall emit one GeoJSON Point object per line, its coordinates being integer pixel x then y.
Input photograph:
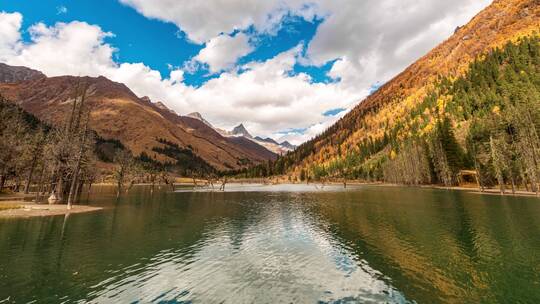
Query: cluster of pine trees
{"type": "Point", "coordinates": [486, 122]}
{"type": "Point", "coordinates": [186, 162]}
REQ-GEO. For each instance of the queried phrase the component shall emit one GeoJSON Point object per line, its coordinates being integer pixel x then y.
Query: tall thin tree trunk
{"type": "Point", "coordinates": [30, 174]}
{"type": "Point", "coordinates": [75, 178]}
{"type": "Point", "coordinates": [78, 189]}
{"type": "Point", "coordinates": [40, 183]}
{"type": "Point", "coordinates": [2, 181]}
{"type": "Point", "coordinates": [119, 183]}
{"type": "Point", "coordinates": [89, 190]}
{"type": "Point", "coordinates": [496, 164]}
{"type": "Point", "coordinates": [59, 187]}
{"type": "Point", "coordinates": [512, 180]}
{"type": "Point", "coordinates": [523, 177]}
{"type": "Point", "coordinates": [73, 185]}
{"type": "Point", "coordinates": [17, 184]}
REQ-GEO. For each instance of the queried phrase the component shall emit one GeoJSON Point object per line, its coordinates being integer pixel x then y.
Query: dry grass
{"type": "Point", "coordinates": [9, 206]}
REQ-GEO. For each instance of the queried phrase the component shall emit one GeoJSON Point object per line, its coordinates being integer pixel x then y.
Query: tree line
{"type": "Point", "coordinates": [57, 162]}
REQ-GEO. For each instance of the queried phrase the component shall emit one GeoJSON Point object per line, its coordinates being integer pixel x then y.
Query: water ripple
{"type": "Point", "coordinates": [279, 245]}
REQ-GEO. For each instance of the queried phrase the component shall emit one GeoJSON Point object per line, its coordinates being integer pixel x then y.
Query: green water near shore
{"type": "Point", "coordinates": [278, 244]}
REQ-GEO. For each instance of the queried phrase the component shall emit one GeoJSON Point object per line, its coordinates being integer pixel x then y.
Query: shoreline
{"type": "Point", "coordinates": [16, 207]}
{"type": "Point", "coordinates": [21, 209]}
{"type": "Point", "coordinates": [471, 189]}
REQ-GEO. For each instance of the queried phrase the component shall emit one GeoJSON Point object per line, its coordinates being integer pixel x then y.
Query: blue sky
{"type": "Point", "coordinates": [137, 38]}
{"type": "Point", "coordinates": [285, 69]}
{"type": "Point", "coordinates": [160, 44]}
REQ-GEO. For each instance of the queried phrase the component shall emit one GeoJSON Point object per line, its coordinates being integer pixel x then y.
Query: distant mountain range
{"type": "Point", "coordinates": [241, 131]}
{"type": "Point", "coordinates": [138, 123]}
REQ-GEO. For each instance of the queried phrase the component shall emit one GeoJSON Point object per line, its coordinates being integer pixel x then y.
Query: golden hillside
{"type": "Point", "coordinates": [502, 21]}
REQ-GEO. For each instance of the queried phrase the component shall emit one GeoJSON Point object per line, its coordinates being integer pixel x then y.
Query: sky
{"type": "Point", "coordinates": [285, 69]}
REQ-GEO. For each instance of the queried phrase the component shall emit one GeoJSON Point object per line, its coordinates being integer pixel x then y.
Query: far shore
{"type": "Point", "coordinates": [472, 188]}
{"type": "Point", "coordinates": [16, 205]}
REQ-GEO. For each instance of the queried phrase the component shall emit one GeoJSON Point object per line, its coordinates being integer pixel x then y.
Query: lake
{"type": "Point", "coordinates": [278, 244]}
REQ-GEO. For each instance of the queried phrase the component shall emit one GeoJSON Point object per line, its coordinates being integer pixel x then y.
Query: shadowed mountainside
{"type": "Point", "coordinates": [117, 113]}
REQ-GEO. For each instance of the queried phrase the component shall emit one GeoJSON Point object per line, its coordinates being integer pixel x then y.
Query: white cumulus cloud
{"type": "Point", "coordinates": [204, 20]}
{"type": "Point", "coordinates": [222, 52]}
{"type": "Point", "coordinates": [371, 40]}
{"type": "Point", "coordinates": [10, 40]}
{"type": "Point", "coordinates": [75, 48]}
{"type": "Point", "coordinates": [266, 97]}
{"type": "Point", "coordinates": [376, 39]}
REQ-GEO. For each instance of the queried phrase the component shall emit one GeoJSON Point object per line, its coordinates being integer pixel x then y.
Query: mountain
{"type": "Point", "coordinates": [271, 144]}
{"type": "Point", "coordinates": [415, 111]}
{"type": "Point", "coordinates": [266, 140]}
{"type": "Point", "coordinates": [287, 145]}
{"type": "Point", "coordinates": [254, 146]}
{"type": "Point", "coordinates": [160, 105]}
{"type": "Point", "coordinates": [240, 130]}
{"type": "Point", "coordinates": [198, 116]}
{"type": "Point", "coordinates": [239, 133]}
{"type": "Point", "coordinates": [268, 143]}
{"type": "Point", "coordinates": [117, 113]}
{"type": "Point", "coordinates": [11, 74]}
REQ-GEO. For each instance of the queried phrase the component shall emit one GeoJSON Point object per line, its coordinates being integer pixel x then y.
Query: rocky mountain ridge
{"type": "Point", "coordinates": [117, 113]}
{"type": "Point", "coordinates": [241, 131]}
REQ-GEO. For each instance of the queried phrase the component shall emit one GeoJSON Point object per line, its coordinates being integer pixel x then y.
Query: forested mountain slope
{"type": "Point", "coordinates": [118, 114]}
{"type": "Point", "coordinates": [437, 107]}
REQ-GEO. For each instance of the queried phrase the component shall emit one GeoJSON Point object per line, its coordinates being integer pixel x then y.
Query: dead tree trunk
{"type": "Point", "coordinates": [2, 181]}
{"type": "Point", "coordinates": [30, 174]}
{"type": "Point", "coordinates": [75, 177]}
{"type": "Point", "coordinates": [222, 188]}
{"type": "Point", "coordinates": [40, 183]}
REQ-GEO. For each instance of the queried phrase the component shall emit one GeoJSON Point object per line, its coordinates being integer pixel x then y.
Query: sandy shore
{"type": "Point", "coordinates": [25, 210]}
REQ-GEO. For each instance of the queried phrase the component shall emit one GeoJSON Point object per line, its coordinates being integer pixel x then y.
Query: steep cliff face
{"type": "Point", "coordinates": [117, 113]}
{"type": "Point", "coordinates": [501, 22]}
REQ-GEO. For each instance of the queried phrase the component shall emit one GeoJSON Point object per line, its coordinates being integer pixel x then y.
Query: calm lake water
{"type": "Point", "coordinates": [278, 244]}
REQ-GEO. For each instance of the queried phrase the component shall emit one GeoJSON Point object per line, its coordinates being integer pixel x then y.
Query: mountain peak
{"type": "Point", "coordinates": [161, 105]}
{"type": "Point", "coordinates": [241, 130]}
{"type": "Point", "coordinates": [11, 74]}
{"type": "Point", "coordinates": [288, 145]}
{"type": "Point", "coordinates": [268, 140]}
{"type": "Point", "coordinates": [146, 99]}
{"type": "Point", "coordinates": [198, 116]}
